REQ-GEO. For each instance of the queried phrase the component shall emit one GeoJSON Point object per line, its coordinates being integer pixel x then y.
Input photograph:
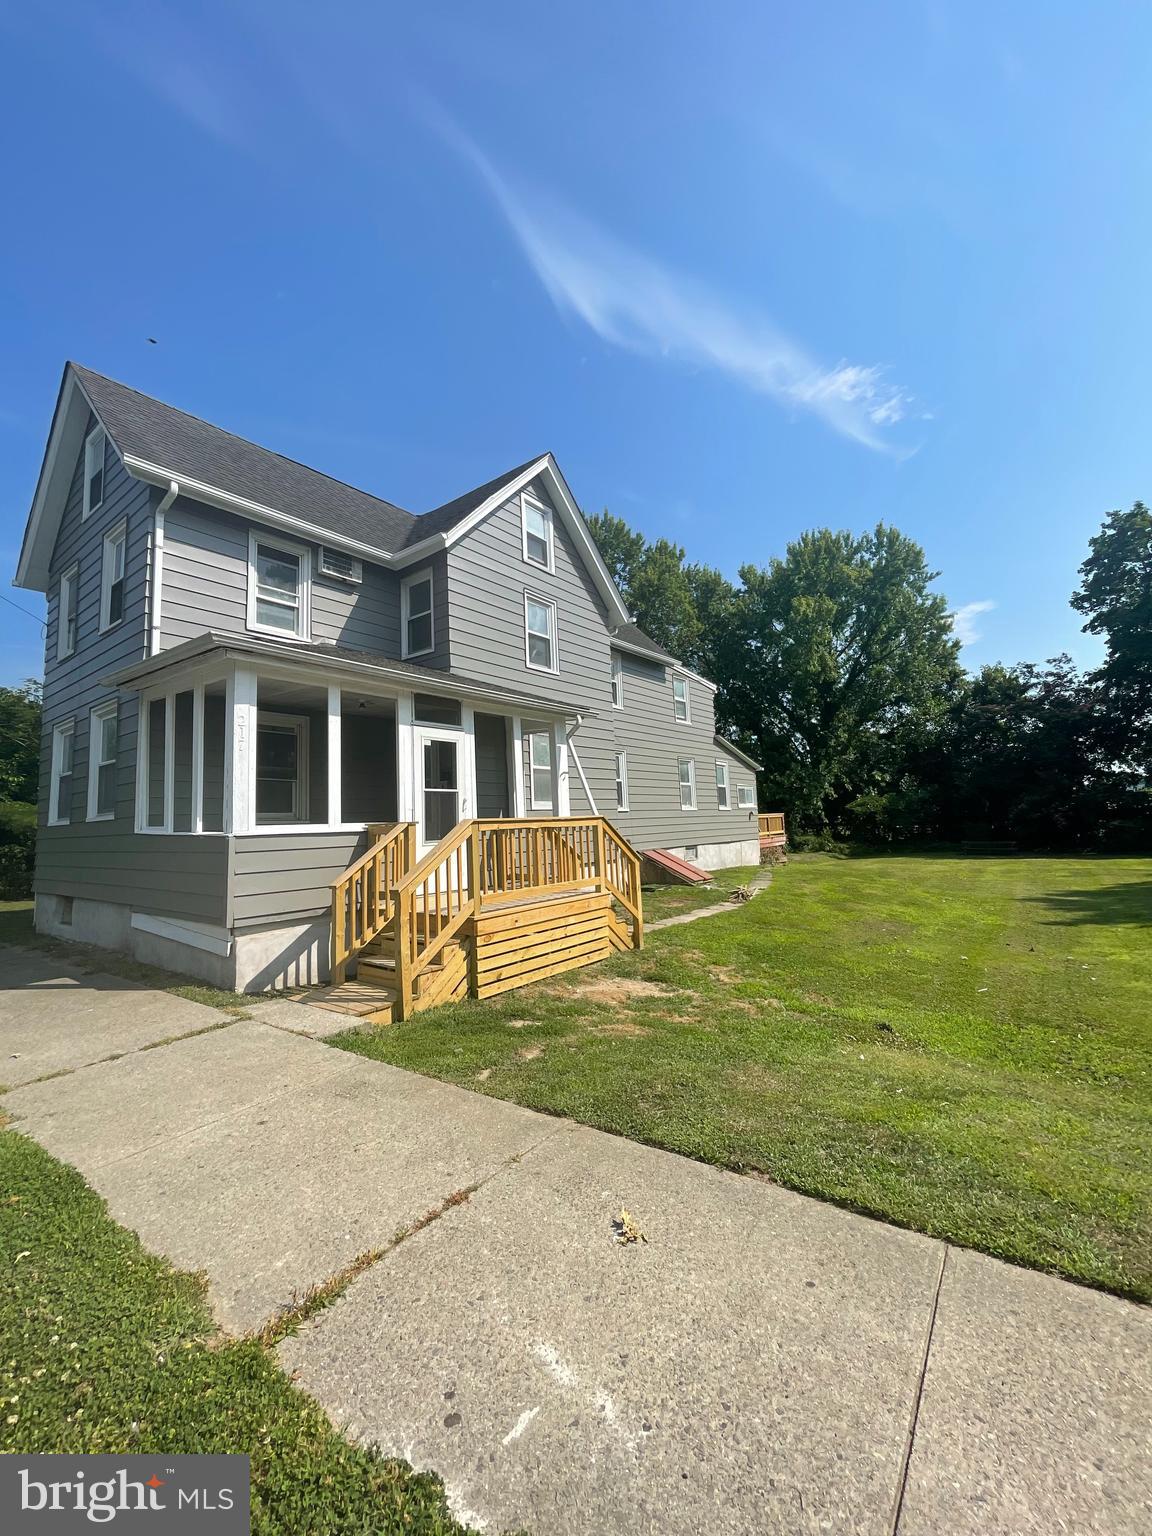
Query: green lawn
{"type": "Point", "coordinates": [959, 1045]}
{"type": "Point", "coordinates": [105, 1349]}
{"type": "Point", "coordinates": [671, 900]}
{"type": "Point", "coordinates": [16, 928]}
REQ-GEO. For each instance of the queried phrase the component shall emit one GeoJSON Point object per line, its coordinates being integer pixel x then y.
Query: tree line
{"type": "Point", "coordinates": [838, 669]}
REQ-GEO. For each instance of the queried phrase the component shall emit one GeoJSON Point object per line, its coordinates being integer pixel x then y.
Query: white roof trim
{"type": "Point", "coordinates": [65, 437]}
{"type": "Point", "coordinates": [658, 658]}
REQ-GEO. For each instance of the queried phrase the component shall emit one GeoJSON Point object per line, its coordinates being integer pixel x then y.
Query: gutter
{"type": "Point", "coordinates": [162, 506]}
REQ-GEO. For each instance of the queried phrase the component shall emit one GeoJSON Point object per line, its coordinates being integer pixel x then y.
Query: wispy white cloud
{"type": "Point", "coordinates": [964, 621]}
{"type": "Point", "coordinates": [633, 301]}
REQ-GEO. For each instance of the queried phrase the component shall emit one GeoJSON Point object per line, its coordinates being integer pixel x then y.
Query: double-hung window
{"type": "Point", "coordinates": [681, 707]}
{"type": "Point", "coordinates": [621, 781]}
{"type": "Point", "coordinates": [745, 796]}
{"type": "Point", "coordinates": [540, 633]}
{"type": "Point", "coordinates": [102, 735]}
{"type": "Point", "coordinates": [279, 583]}
{"type": "Point", "coordinates": [417, 616]}
{"type": "Point", "coordinates": [617, 683]}
{"type": "Point", "coordinates": [94, 446]}
{"type": "Point", "coordinates": [66, 613]}
{"type": "Point", "coordinates": [536, 524]}
{"type": "Point", "coordinates": [60, 783]}
{"type": "Point", "coordinates": [281, 767]}
{"type": "Point", "coordinates": [687, 770]}
{"type": "Point", "coordinates": [723, 793]}
{"type": "Point", "coordinates": [540, 770]}
{"type": "Point", "coordinates": [112, 577]}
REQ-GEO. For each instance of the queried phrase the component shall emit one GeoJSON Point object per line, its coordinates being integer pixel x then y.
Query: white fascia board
{"type": "Point", "coordinates": [658, 658]}
{"type": "Point", "coordinates": [199, 490]}
{"type": "Point", "coordinates": [65, 436]}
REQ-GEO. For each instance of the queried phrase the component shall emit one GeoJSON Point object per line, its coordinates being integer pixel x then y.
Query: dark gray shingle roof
{"type": "Point", "coordinates": [440, 519]}
{"type": "Point", "coordinates": [632, 634]}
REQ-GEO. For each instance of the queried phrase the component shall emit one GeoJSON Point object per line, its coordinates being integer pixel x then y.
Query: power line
{"type": "Point", "coordinates": [27, 612]}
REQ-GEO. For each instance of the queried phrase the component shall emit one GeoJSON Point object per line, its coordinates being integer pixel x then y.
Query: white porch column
{"type": "Point", "coordinates": [561, 796]}
{"type": "Point", "coordinates": [240, 750]}
{"type": "Point", "coordinates": [335, 745]}
{"type": "Point", "coordinates": [198, 757]}
{"type": "Point", "coordinates": [516, 768]}
{"type": "Point", "coordinates": [405, 760]}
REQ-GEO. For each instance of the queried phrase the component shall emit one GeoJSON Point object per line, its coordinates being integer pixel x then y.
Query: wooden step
{"type": "Point", "coordinates": [380, 971]}
{"type": "Point", "coordinates": [368, 1003]}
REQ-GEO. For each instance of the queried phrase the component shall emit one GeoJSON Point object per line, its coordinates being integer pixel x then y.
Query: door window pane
{"type": "Point", "coordinates": [429, 709]}
{"type": "Point", "coordinates": [441, 789]}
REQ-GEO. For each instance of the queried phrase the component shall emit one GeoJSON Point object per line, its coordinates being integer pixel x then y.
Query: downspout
{"type": "Point", "coordinates": [165, 502]}
{"type": "Point", "coordinates": [579, 721]}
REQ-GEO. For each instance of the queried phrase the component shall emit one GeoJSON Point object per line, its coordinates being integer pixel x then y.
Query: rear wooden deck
{"type": "Point", "coordinates": [494, 906]}
{"type": "Point", "coordinates": [772, 831]}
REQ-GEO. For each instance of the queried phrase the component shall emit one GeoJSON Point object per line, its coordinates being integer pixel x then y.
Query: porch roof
{"type": "Point", "coordinates": [337, 659]}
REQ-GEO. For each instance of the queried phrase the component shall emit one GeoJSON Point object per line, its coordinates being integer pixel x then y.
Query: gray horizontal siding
{"type": "Point", "coordinates": [176, 877]}
{"type": "Point", "coordinates": [286, 876]}
{"type": "Point", "coordinates": [206, 586]}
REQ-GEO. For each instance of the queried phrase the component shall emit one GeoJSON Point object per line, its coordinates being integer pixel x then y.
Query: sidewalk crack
{"type": "Point", "coordinates": [914, 1421]}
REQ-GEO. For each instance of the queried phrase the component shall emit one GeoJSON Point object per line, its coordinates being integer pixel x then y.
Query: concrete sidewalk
{"type": "Point", "coordinates": [763, 1362]}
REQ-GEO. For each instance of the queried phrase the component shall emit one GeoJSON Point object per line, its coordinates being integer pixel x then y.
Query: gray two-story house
{"type": "Point", "coordinates": [249, 663]}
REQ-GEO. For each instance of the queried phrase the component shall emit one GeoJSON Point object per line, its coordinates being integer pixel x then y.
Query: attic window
{"type": "Point", "coordinates": [536, 520]}
{"type": "Point", "coordinates": [93, 471]}
{"type": "Point", "coordinates": [334, 562]}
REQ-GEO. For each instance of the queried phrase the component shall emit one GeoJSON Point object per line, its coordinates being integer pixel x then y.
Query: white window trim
{"type": "Point", "coordinates": [300, 724]}
{"type": "Point", "coordinates": [617, 681]}
{"type": "Point", "coordinates": [112, 537]}
{"type": "Point", "coordinates": [534, 803]}
{"type": "Point", "coordinates": [622, 780]}
{"type": "Point", "coordinates": [681, 677]}
{"type": "Point", "coordinates": [97, 434]}
{"type": "Point", "coordinates": [70, 580]}
{"type": "Point", "coordinates": [304, 612]}
{"type": "Point", "coordinates": [750, 803]}
{"type": "Point", "coordinates": [722, 767]}
{"type": "Point", "coordinates": [405, 588]}
{"type": "Point", "coordinates": [526, 500]}
{"type": "Point", "coordinates": [544, 602]}
{"type": "Point", "coordinates": [691, 761]}
{"type": "Point", "coordinates": [96, 717]}
{"type": "Point", "coordinates": [59, 731]}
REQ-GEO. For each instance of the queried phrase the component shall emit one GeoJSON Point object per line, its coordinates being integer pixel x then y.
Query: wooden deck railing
{"type": "Point", "coordinates": [362, 895]}
{"type": "Point", "coordinates": [772, 832]}
{"type": "Point", "coordinates": [432, 904]}
{"type": "Point", "coordinates": [622, 877]}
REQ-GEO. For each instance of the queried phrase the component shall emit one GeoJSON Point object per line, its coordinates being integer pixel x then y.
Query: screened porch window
{"type": "Point", "coordinates": [281, 768]}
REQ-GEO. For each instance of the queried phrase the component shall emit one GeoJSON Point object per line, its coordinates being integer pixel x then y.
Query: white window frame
{"type": "Point", "coordinates": [750, 803]}
{"type": "Point", "coordinates": [527, 500]}
{"type": "Point", "coordinates": [62, 729]}
{"type": "Point", "coordinates": [617, 682]}
{"type": "Point", "coordinates": [723, 782]}
{"type": "Point", "coordinates": [115, 538]}
{"type": "Point", "coordinates": [96, 436]}
{"type": "Point", "coordinates": [70, 585]}
{"type": "Point", "coordinates": [536, 802]}
{"type": "Point", "coordinates": [301, 552]}
{"type": "Point", "coordinates": [689, 784]}
{"type": "Point", "coordinates": [300, 724]}
{"type": "Point", "coordinates": [542, 602]}
{"type": "Point", "coordinates": [622, 781]}
{"type": "Point", "coordinates": [96, 719]}
{"type": "Point", "coordinates": [686, 719]}
{"type": "Point", "coordinates": [406, 586]}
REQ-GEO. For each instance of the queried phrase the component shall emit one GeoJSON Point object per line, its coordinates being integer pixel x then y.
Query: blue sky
{"type": "Point", "coordinates": [746, 269]}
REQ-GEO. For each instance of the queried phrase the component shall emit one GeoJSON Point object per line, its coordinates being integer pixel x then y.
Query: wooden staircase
{"type": "Point", "coordinates": [495, 905]}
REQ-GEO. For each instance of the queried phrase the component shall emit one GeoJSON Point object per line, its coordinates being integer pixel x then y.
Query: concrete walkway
{"type": "Point", "coordinates": [763, 1362]}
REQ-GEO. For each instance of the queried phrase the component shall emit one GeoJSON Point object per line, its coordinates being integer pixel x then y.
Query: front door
{"type": "Point", "coordinates": [441, 799]}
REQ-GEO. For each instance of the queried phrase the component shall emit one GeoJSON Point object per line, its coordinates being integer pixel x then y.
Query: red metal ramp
{"type": "Point", "coordinates": [659, 867]}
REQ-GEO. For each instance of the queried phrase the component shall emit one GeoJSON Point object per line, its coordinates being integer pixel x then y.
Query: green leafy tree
{"type": "Point", "coordinates": [654, 583]}
{"type": "Point", "coordinates": [1115, 595]}
{"type": "Point", "coordinates": [834, 654]}
{"type": "Point", "coordinates": [20, 742]}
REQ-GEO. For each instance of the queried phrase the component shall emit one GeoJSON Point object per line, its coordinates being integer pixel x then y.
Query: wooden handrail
{"type": "Point", "coordinates": [433, 902]}
{"type": "Point", "coordinates": [622, 877]}
{"type": "Point", "coordinates": [362, 895]}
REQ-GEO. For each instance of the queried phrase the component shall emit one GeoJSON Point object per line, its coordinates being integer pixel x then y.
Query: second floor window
{"type": "Point", "coordinates": [112, 577]}
{"type": "Point", "coordinates": [538, 535]}
{"type": "Point", "coordinates": [278, 585]}
{"type": "Point", "coordinates": [617, 683]}
{"type": "Point", "coordinates": [93, 471]}
{"type": "Point", "coordinates": [540, 633]}
{"type": "Point", "coordinates": [680, 706]}
{"type": "Point", "coordinates": [66, 613]}
{"type": "Point", "coordinates": [417, 616]}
